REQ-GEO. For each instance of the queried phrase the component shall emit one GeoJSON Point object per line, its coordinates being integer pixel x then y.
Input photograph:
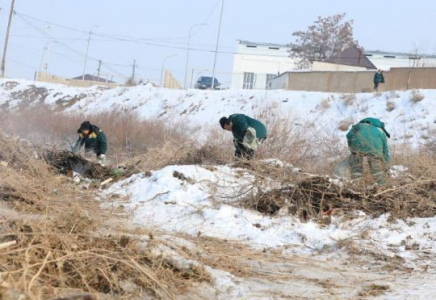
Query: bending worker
{"type": "Point", "coordinates": [368, 139]}
{"type": "Point", "coordinates": [247, 134]}
{"type": "Point", "coordinates": [93, 139]}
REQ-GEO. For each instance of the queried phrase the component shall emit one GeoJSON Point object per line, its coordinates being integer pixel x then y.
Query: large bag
{"type": "Point", "coordinates": [343, 169]}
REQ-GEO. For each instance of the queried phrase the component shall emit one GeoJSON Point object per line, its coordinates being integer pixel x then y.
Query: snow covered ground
{"type": "Point", "coordinates": [201, 201]}
{"type": "Point", "coordinates": [409, 115]}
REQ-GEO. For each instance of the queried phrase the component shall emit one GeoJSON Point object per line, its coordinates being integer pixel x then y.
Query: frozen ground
{"type": "Point", "coordinates": [409, 115]}
{"type": "Point", "coordinates": [353, 258]}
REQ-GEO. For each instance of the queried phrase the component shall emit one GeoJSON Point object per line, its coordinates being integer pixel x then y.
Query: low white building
{"type": "Point", "coordinates": [354, 59]}
{"type": "Point", "coordinates": [386, 60]}
{"type": "Point", "coordinates": [255, 63]}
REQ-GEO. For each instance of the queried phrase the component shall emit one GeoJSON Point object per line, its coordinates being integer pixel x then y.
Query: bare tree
{"type": "Point", "coordinates": [325, 38]}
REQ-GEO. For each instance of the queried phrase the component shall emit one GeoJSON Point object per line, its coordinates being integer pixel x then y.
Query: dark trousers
{"type": "Point", "coordinates": [242, 152]}
{"type": "Point", "coordinates": [376, 85]}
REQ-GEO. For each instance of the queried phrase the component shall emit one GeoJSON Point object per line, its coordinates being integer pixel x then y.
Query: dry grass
{"type": "Point", "coordinates": [348, 99]}
{"type": "Point", "coordinates": [174, 153]}
{"type": "Point", "coordinates": [127, 135]}
{"type": "Point", "coordinates": [344, 125]}
{"type": "Point", "coordinates": [416, 96]}
{"type": "Point", "coordinates": [325, 104]}
{"type": "Point", "coordinates": [374, 290]}
{"type": "Point", "coordinates": [63, 243]}
{"type": "Point", "coordinates": [390, 106]}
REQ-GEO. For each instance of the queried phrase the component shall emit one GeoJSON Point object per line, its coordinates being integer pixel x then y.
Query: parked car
{"type": "Point", "coordinates": [205, 82]}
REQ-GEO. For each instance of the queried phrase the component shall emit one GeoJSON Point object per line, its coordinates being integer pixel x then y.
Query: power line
{"type": "Point", "coordinates": [84, 31]}
{"type": "Point", "coordinates": [116, 37]}
{"type": "Point", "coordinates": [145, 42]}
{"type": "Point", "coordinates": [69, 47]}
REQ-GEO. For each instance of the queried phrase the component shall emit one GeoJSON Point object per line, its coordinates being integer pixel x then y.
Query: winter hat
{"type": "Point", "coordinates": [223, 121]}
{"type": "Point", "coordinates": [85, 126]}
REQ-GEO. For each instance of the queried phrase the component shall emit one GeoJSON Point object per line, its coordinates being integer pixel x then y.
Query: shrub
{"type": "Point", "coordinates": [345, 124]}
{"type": "Point", "coordinates": [390, 106]}
{"type": "Point", "coordinates": [348, 99]}
{"type": "Point", "coordinates": [325, 104]}
{"type": "Point", "coordinates": [127, 134]}
{"type": "Point", "coordinates": [416, 97]}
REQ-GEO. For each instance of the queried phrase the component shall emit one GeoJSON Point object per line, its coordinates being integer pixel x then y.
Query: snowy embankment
{"type": "Point", "coordinates": [409, 115]}
{"type": "Point", "coordinates": [202, 200]}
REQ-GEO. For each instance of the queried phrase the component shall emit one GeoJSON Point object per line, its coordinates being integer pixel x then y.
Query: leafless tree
{"type": "Point", "coordinates": [326, 37]}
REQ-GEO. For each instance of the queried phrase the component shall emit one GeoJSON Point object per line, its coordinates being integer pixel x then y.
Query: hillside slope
{"type": "Point", "coordinates": [408, 114]}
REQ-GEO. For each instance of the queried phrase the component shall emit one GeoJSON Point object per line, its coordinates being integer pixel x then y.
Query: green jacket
{"type": "Point", "coordinates": [95, 141]}
{"type": "Point", "coordinates": [240, 124]}
{"type": "Point", "coordinates": [368, 137]}
{"type": "Point", "coordinates": [378, 77]}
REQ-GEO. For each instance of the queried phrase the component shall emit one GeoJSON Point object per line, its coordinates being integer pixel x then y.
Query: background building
{"type": "Point", "coordinates": [351, 59]}
{"type": "Point", "coordinates": [254, 64]}
{"type": "Point", "coordinates": [354, 59]}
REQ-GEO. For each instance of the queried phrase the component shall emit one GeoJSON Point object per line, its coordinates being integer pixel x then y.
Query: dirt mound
{"type": "Point", "coordinates": [316, 196]}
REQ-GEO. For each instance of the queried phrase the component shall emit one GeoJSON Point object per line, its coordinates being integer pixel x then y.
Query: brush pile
{"type": "Point", "coordinates": [315, 196]}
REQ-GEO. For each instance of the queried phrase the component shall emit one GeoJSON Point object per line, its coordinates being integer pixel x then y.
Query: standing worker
{"type": "Point", "coordinates": [368, 139]}
{"type": "Point", "coordinates": [93, 139]}
{"type": "Point", "coordinates": [378, 78]}
{"type": "Point", "coordinates": [247, 134]}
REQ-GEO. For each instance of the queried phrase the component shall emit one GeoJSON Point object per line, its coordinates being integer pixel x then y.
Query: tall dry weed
{"type": "Point", "coordinates": [63, 243]}
{"type": "Point", "coordinates": [127, 135]}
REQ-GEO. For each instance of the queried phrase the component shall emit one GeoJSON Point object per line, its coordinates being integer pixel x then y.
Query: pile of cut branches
{"type": "Point", "coordinates": [315, 196]}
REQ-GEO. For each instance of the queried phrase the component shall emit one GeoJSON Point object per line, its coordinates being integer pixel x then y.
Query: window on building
{"type": "Point", "coordinates": [274, 48]}
{"type": "Point", "coordinates": [248, 81]}
{"type": "Point", "coordinates": [251, 46]}
{"type": "Point", "coordinates": [389, 56]}
{"type": "Point", "coordinates": [268, 78]}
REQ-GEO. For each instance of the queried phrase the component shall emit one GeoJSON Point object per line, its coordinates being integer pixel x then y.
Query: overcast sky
{"type": "Point", "coordinates": [149, 31]}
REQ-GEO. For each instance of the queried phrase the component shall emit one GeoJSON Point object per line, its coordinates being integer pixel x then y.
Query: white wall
{"type": "Point", "coordinates": [261, 61]}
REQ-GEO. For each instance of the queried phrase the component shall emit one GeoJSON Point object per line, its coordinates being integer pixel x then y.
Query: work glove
{"type": "Point", "coordinates": [102, 160]}
{"type": "Point", "coordinates": [250, 141]}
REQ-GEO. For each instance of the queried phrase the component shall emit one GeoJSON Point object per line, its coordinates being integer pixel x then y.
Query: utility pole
{"type": "Point", "coordinates": [7, 38]}
{"type": "Point", "coordinates": [48, 49]}
{"type": "Point", "coordinates": [216, 46]}
{"type": "Point", "coordinates": [133, 69]}
{"type": "Point", "coordinates": [86, 55]}
{"type": "Point", "coordinates": [187, 51]}
{"type": "Point", "coordinates": [45, 60]}
{"type": "Point", "coordinates": [98, 70]}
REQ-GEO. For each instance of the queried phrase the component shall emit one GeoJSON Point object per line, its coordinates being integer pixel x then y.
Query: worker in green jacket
{"type": "Point", "coordinates": [378, 78]}
{"type": "Point", "coordinates": [247, 134]}
{"type": "Point", "coordinates": [368, 138]}
{"type": "Point", "coordinates": [93, 139]}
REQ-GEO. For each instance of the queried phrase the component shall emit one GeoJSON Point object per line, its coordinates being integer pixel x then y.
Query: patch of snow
{"type": "Point", "coordinates": [204, 202]}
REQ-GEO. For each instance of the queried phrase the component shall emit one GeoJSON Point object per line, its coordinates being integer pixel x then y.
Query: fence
{"type": "Point", "coordinates": [46, 77]}
{"type": "Point", "coordinates": [356, 81]}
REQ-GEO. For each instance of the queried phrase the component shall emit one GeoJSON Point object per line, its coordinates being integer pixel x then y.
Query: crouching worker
{"type": "Point", "coordinates": [93, 139]}
{"type": "Point", "coordinates": [247, 134]}
{"type": "Point", "coordinates": [368, 139]}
